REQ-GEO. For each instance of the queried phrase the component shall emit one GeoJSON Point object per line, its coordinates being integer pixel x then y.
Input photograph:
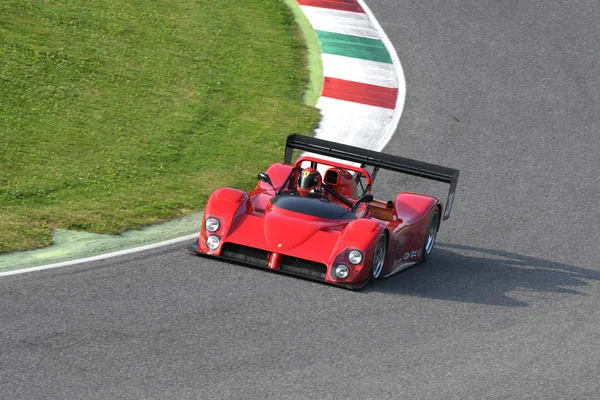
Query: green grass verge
{"type": "Point", "coordinates": [315, 84]}
{"type": "Point", "coordinates": [116, 114]}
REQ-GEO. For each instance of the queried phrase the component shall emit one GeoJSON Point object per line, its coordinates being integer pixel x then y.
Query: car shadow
{"type": "Point", "coordinates": [484, 276]}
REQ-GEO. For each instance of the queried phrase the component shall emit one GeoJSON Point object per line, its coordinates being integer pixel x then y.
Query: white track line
{"type": "Point", "coordinates": [102, 256]}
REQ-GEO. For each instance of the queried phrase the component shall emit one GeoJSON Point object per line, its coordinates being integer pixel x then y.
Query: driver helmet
{"type": "Point", "coordinates": [309, 181]}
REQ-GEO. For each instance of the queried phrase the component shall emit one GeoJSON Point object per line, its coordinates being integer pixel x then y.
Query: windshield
{"type": "Point", "coordinates": [313, 207]}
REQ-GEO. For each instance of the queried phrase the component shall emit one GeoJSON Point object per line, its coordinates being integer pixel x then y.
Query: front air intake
{"type": "Point", "coordinates": [259, 258]}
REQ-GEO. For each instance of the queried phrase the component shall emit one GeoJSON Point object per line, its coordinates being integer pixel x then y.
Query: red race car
{"type": "Point", "coordinates": [316, 218]}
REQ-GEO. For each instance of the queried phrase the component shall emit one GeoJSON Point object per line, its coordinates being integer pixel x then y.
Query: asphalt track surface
{"type": "Point", "coordinates": [508, 306]}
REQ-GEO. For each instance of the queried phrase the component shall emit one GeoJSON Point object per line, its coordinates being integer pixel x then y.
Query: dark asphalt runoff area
{"type": "Point", "coordinates": [508, 307]}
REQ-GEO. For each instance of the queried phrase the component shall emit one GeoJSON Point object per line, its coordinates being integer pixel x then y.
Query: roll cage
{"type": "Point", "coordinates": [374, 159]}
{"type": "Point", "coordinates": [289, 183]}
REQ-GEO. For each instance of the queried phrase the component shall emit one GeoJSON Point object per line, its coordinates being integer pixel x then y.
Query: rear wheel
{"type": "Point", "coordinates": [379, 257]}
{"type": "Point", "coordinates": [430, 235]}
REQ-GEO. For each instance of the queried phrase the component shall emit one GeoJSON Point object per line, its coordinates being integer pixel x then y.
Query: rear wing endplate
{"type": "Point", "coordinates": [377, 160]}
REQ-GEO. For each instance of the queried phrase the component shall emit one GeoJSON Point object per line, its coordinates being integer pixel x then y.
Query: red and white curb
{"type": "Point", "coordinates": [363, 87]}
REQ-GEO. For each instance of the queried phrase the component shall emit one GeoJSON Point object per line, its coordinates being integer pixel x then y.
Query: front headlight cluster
{"type": "Point", "coordinates": [342, 271]}
{"type": "Point", "coordinates": [212, 225]}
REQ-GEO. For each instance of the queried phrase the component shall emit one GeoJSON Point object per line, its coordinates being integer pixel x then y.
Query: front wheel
{"type": "Point", "coordinates": [432, 229]}
{"type": "Point", "coordinates": [379, 257]}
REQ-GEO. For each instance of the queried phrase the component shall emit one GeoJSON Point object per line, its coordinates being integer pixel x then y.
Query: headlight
{"type": "Point", "coordinates": [213, 242]}
{"type": "Point", "coordinates": [355, 257]}
{"type": "Point", "coordinates": [342, 271]}
{"type": "Point", "coordinates": [212, 224]}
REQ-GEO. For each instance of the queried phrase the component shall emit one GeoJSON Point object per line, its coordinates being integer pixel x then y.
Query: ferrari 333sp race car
{"type": "Point", "coordinates": [316, 218]}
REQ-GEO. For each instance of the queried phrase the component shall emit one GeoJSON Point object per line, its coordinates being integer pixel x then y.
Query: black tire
{"type": "Point", "coordinates": [379, 257]}
{"type": "Point", "coordinates": [431, 233]}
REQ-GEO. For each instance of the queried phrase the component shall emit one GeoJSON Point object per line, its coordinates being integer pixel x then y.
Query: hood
{"type": "Point", "coordinates": [292, 220]}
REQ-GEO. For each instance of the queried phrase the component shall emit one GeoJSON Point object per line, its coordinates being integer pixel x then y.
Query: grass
{"type": "Point", "coordinates": [116, 114]}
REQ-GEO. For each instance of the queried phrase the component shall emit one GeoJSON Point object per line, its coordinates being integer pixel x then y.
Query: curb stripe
{"type": "Point", "coordinates": [357, 70]}
{"type": "Point", "coordinates": [355, 123]}
{"type": "Point", "coordinates": [353, 46]}
{"type": "Point", "coordinates": [342, 5]}
{"type": "Point", "coordinates": [363, 93]}
{"type": "Point", "coordinates": [348, 23]}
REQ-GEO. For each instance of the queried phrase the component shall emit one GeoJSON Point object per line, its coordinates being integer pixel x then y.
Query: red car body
{"type": "Point", "coordinates": [341, 236]}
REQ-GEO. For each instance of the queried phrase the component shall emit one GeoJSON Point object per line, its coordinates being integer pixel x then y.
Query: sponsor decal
{"type": "Point", "coordinates": [306, 173]}
{"type": "Point", "coordinates": [413, 253]}
{"type": "Point", "coordinates": [279, 245]}
{"type": "Point", "coordinates": [420, 253]}
{"type": "Point", "coordinates": [406, 256]}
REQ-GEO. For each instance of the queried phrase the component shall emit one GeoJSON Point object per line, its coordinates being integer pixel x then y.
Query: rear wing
{"type": "Point", "coordinates": [376, 160]}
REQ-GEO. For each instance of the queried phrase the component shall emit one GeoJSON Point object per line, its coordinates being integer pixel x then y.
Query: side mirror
{"type": "Point", "coordinates": [266, 179]}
